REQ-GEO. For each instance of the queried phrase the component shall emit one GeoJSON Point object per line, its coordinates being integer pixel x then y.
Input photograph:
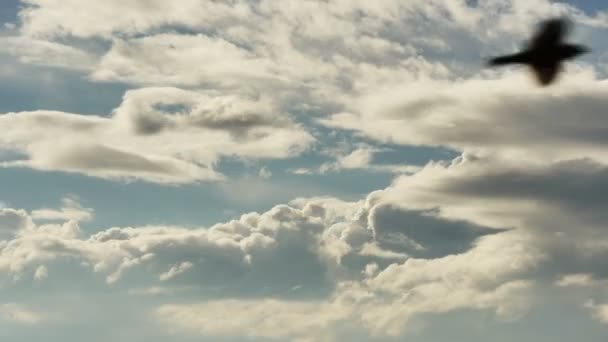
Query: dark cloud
{"type": "Point", "coordinates": [103, 158]}
{"type": "Point", "coordinates": [574, 185]}
{"type": "Point", "coordinates": [423, 234]}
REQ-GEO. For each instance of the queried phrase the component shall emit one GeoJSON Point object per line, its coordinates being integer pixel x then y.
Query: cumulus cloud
{"type": "Point", "coordinates": [12, 221]}
{"type": "Point", "coordinates": [321, 247]}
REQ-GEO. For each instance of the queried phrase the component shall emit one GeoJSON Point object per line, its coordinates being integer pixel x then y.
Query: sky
{"type": "Point", "coordinates": [258, 170]}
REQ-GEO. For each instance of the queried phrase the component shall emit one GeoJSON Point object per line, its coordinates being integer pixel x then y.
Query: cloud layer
{"type": "Point", "coordinates": [241, 70]}
{"type": "Point", "coordinates": [517, 217]}
{"type": "Point", "coordinates": [376, 264]}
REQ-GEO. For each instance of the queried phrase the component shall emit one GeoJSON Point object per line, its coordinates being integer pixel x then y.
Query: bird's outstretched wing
{"type": "Point", "coordinates": [545, 74]}
{"type": "Point", "coordinates": [550, 33]}
{"type": "Point", "coordinates": [508, 59]}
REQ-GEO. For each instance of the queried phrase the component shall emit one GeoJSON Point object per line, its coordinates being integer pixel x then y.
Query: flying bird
{"type": "Point", "coordinates": [545, 52]}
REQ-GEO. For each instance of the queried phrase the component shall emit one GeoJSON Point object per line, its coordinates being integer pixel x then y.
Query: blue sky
{"type": "Point", "coordinates": [298, 171]}
{"type": "Point", "coordinates": [589, 6]}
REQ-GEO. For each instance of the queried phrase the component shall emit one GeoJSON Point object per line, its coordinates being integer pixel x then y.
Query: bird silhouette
{"type": "Point", "coordinates": [545, 52]}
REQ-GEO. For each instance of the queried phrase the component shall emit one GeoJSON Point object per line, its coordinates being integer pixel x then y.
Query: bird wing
{"type": "Point", "coordinates": [550, 33]}
{"type": "Point", "coordinates": [508, 59]}
{"type": "Point", "coordinates": [545, 74]}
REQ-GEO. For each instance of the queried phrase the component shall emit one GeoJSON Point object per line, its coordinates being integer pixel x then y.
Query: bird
{"type": "Point", "coordinates": [545, 52]}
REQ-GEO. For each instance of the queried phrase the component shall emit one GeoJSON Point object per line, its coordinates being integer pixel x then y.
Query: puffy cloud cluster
{"type": "Point", "coordinates": [375, 264]}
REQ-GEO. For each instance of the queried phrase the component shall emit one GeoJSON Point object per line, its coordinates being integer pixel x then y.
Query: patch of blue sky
{"type": "Point", "coordinates": [33, 87]}
{"type": "Point", "coordinates": [8, 11]}
{"type": "Point", "coordinates": [589, 6]}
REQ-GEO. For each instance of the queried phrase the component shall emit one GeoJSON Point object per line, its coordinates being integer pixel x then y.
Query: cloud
{"type": "Point", "coordinates": [599, 311]}
{"type": "Point", "coordinates": [46, 18]}
{"type": "Point", "coordinates": [12, 221]}
{"type": "Point", "coordinates": [321, 247]}
{"type": "Point", "coordinates": [378, 264]}
{"type": "Point", "coordinates": [252, 67]}
{"type": "Point", "coordinates": [265, 173]}
{"type": "Point", "coordinates": [76, 18]}
{"type": "Point", "coordinates": [257, 318]}
{"type": "Point", "coordinates": [575, 280]}
{"type": "Point", "coordinates": [149, 111]}
{"type": "Point", "coordinates": [383, 304]}
{"type": "Point", "coordinates": [492, 117]}
{"type": "Point", "coordinates": [48, 53]}
{"type": "Point", "coordinates": [41, 273]}
{"type": "Point", "coordinates": [518, 213]}
{"type": "Point", "coordinates": [18, 314]}
{"type": "Point", "coordinates": [183, 60]}
{"type": "Point", "coordinates": [159, 290]}
{"type": "Point", "coordinates": [72, 210]}
{"type": "Point", "coordinates": [360, 158]}
{"type": "Point", "coordinates": [304, 54]}
{"type": "Point", "coordinates": [176, 270]}
{"type": "Point", "coordinates": [178, 148]}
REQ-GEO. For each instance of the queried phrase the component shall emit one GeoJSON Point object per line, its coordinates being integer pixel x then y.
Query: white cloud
{"type": "Point", "coordinates": [359, 158]}
{"type": "Point", "coordinates": [71, 210]}
{"type": "Point", "coordinates": [86, 19]}
{"type": "Point", "coordinates": [599, 311]}
{"type": "Point", "coordinates": [41, 52]}
{"type": "Point", "coordinates": [265, 173]}
{"type": "Point", "coordinates": [305, 54]}
{"type": "Point", "coordinates": [362, 159]}
{"type": "Point", "coordinates": [177, 148]}
{"type": "Point", "coordinates": [324, 247]}
{"type": "Point", "coordinates": [310, 245]}
{"type": "Point", "coordinates": [19, 314]}
{"type": "Point", "coordinates": [76, 17]}
{"type": "Point", "coordinates": [41, 273]}
{"type": "Point", "coordinates": [256, 318]}
{"type": "Point", "coordinates": [176, 270]}
{"type": "Point", "coordinates": [159, 290]}
{"type": "Point", "coordinates": [523, 204]}
{"type": "Point", "coordinates": [183, 60]}
{"type": "Point", "coordinates": [506, 117]}
{"type": "Point", "coordinates": [259, 62]}
{"type": "Point", "coordinates": [12, 222]}
{"type": "Point", "coordinates": [576, 280]}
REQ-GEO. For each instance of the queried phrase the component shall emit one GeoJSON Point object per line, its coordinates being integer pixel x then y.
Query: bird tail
{"type": "Point", "coordinates": [503, 60]}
